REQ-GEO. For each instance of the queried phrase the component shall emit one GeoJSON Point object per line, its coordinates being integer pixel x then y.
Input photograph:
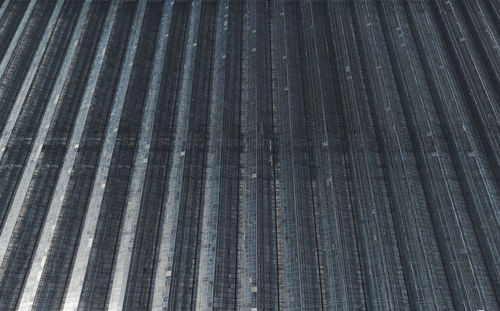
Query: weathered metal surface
{"type": "Point", "coordinates": [256, 155]}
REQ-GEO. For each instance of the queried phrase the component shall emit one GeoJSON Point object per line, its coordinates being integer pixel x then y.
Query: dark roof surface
{"type": "Point", "coordinates": [253, 155]}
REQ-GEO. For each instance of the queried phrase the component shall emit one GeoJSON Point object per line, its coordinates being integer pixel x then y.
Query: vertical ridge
{"type": "Point", "coordinates": [220, 213]}
{"type": "Point", "coordinates": [485, 37]}
{"type": "Point", "coordinates": [31, 283]}
{"type": "Point", "coordinates": [20, 30]}
{"type": "Point", "coordinates": [148, 225]}
{"type": "Point", "coordinates": [61, 131]}
{"type": "Point", "coordinates": [340, 257]}
{"type": "Point", "coordinates": [257, 274]}
{"type": "Point", "coordinates": [166, 243]}
{"type": "Point", "coordinates": [79, 167]}
{"type": "Point", "coordinates": [134, 195]}
{"type": "Point", "coordinates": [482, 97]}
{"type": "Point", "coordinates": [78, 275]}
{"type": "Point", "coordinates": [370, 188]}
{"type": "Point", "coordinates": [459, 130]}
{"type": "Point", "coordinates": [103, 254]}
{"type": "Point", "coordinates": [10, 22]}
{"type": "Point", "coordinates": [299, 274]}
{"type": "Point", "coordinates": [7, 124]}
{"type": "Point", "coordinates": [8, 93]}
{"type": "Point", "coordinates": [25, 144]}
{"type": "Point", "coordinates": [3, 7]}
{"type": "Point", "coordinates": [186, 265]}
{"type": "Point", "coordinates": [441, 182]}
{"type": "Point", "coordinates": [212, 184]}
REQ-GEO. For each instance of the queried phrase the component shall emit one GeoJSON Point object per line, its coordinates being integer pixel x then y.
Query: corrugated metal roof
{"type": "Point", "coordinates": [262, 155]}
